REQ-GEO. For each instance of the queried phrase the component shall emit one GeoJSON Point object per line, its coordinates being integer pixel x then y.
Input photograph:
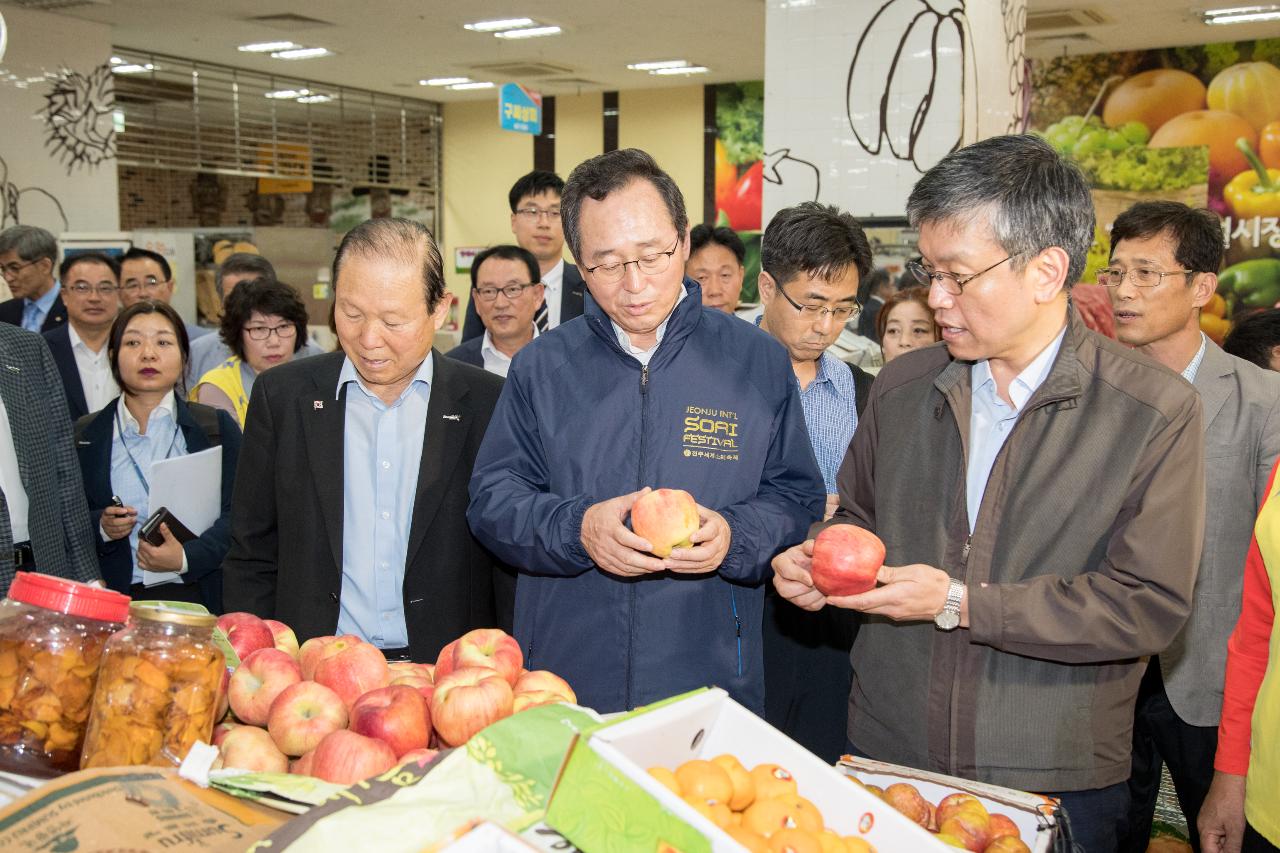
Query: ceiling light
{"type": "Point", "coordinates": [654, 66]}
{"type": "Point", "coordinates": [288, 94]}
{"type": "Point", "coordinates": [1242, 14]}
{"type": "Point", "coordinates": [688, 69]}
{"type": "Point", "coordinates": [458, 87]}
{"type": "Point", "coordinates": [315, 99]}
{"type": "Point", "coordinates": [302, 53]}
{"type": "Point", "coordinates": [530, 33]}
{"type": "Point", "coordinates": [444, 81]}
{"type": "Point", "coordinates": [495, 26]}
{"type": "Point", "coordinates": [267, 46]}
{"type": "Point", "coordinates": [132, 68]}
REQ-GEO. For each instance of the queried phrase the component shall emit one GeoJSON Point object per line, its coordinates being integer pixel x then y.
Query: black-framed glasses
{"type": "Point", "coordinates": [261, 333]}
{"type": "Point", "coordinates": [533, 214]}
{"type": "Point", "coordinates": [651, 264]}
{"type": "Point", "coordinates": [149, 284]}
{"type": "Point", "coordinates": [1140, 276]}
{"type": "Point", "coordinates": [84, 288]}
{"type": "Point", "coordinates": [511, 291]}
{"type": "Point", "coordinates": [10, 270]}
{"type": "Point", "coordinates": [949, 281]}
{"type": "Point", "coordinates": [819, 312]}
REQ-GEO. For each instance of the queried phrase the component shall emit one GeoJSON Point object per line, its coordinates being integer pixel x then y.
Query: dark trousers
{"type": "Point", "coordinates": [1160, 736]}
{"type": "Point", "coordinates": [1255, 843]}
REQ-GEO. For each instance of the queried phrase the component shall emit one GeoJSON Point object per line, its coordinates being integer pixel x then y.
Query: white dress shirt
{"type": "Point", "coordinates": [644, 356]}
{"type": "Point", "coordinates": [496, 361]}
{"type": "Point", "coordinates": [15, 494]}
{"type": "Point", "coordinates": [553, 281]}
{"type": "Point", "coordinates": [95, 372]}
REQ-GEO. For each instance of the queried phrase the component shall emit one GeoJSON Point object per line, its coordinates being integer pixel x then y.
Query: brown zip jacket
{"type": "Point", "coordinates": [1087, 542]}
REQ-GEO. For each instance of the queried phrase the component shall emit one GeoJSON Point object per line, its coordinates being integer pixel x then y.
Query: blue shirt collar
{"type": "Point", "coordinates": [44, 303]}
{"type": "Point", "coordinates": [349, 374]}
{"type": "Point", "coordinates": [1026, 382]}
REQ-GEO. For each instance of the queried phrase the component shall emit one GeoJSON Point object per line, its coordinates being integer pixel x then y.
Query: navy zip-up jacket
{"type": "Point", "coordinates": [717, 413]}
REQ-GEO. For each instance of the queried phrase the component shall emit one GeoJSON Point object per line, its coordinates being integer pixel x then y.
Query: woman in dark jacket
{"type": "Point", "coordinates": [148, 422]}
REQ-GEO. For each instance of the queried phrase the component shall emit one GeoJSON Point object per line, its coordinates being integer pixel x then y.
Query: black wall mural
{"type": "Point", "coordinates": [77, 115]}
{"type": "Point", "coordinates": [32, 200]}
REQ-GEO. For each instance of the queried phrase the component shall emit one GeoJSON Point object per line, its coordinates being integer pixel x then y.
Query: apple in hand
{"type": "Point", "coordinates": [251, 748]}
{"type": "Point", "coordinates": [846, 560]}
{"type": "Point", "coordinates": [467, 700]}
{"type": "Point", "coordinates": [344, 758]}
{"type": "Point", "coordinates": [303, 714]}
{"type": "Point", "coordinates": [666, 518]}
{"type": "Point", "coordinates": [246, 633]}
{"type": "Point", "coordinates": [492, 648]}
{"type": "Point", "coordinates": [285, 640]}
{"type": "Point", "coordinates": [397, 715]}
{"type": "Point", "coordinates": [259, 679]}
{"type": "Point", "coordinates": [354, 671]}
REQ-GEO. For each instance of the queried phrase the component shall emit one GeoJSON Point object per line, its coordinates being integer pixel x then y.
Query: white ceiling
{"type": "Point", "coordinates": [388, 45]}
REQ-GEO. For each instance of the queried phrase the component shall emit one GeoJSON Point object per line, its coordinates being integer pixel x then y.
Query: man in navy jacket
{"type": "Point", "coordinates": [646, 389]}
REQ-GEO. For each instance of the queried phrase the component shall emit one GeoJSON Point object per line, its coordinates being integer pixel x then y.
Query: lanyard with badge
{"type": "Point", "coordinates": [137, 469]}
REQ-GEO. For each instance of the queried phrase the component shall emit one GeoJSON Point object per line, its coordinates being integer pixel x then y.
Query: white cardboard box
{"type": "Point", "coordinates": [488, 837]}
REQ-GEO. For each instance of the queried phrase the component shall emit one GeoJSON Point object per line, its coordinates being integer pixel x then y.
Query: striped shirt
{"type": "Point", "coordinates": [831, 415]}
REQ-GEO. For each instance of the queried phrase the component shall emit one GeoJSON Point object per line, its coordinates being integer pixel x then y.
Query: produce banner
{"type": "Point", "coordinates": [739, 170]}
{"type": "Point", "coordinates": [1197, 124]}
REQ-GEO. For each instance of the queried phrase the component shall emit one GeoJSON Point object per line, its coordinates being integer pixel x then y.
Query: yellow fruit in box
{"type": "Point", "coordinates": [667, 778]}
{"type": "Point", "coordinates": [794, 841]}
{"type": "Point", "coordinates": [705, 781]}
{"type": "Point", "coordinates": [772, 780]}
{"type": "Point", "coordinates": [744, 787]}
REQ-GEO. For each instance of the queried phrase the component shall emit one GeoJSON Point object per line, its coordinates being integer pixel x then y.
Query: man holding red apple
{"type": "Point", "coordinates": [647, 389]}
{"type": "Point", "coordinates": [1036, 485]}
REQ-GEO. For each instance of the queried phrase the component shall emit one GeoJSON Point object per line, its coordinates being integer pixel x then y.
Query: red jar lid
{"type": "Point", "coordinates": [64, 596]}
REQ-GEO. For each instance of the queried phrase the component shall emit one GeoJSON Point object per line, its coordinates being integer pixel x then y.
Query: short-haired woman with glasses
{"type": "Point", "coordinates": [264, 324]}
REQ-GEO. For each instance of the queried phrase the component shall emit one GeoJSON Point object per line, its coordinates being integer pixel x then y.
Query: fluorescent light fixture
{"type": "Point", "coordinates": [530, 33]}
{"type": "Point", "coordinates": [1242, 14]}
{"type": "Point", "coordinates": [302, 53]}
{"type": "Point", "coordinates": [654, 66]}
{"type": "Point", "coordinates": [495, 26]}
{"type": "Point", "coordinates": [459, 87]}
{"type": "Point", "coordinates": [315, 99]}
{"type": "Point", "coordinates": [444, 81]}
{"type": "Point", "coordinates": [115, 60]}
{"type": "Point", "coordinates": [288, 94]}
{"type": "Point", "coordinates": [132, 68]}
{"type": "Point", "coordinates": [688, 69]}
{"type": "Point", "coordinates": [267, 46]}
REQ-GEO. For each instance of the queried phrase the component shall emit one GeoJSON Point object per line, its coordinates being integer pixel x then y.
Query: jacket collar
{"type": "Point", "coordinates": [681, 322]}
{"type": "Point", "coordinates": [1213, 381]}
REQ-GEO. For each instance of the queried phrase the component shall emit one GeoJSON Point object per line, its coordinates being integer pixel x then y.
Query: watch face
{"type": "Point", "coordinates": [947, 620]}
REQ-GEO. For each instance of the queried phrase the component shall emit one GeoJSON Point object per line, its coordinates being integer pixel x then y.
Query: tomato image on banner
{"type": "Point", "coordinates": [739, 170]}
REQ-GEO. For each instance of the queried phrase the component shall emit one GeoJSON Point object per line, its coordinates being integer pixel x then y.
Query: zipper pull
{"type": "Point", "coordinates": [644, 378]}
{"type": "Point", "coordinates": [964, 552]}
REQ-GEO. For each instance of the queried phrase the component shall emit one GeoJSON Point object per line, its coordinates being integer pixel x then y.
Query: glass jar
{"type": "Point", "coordinates": [51, 636]}
{"type": "Point", "coordinates": [157, 690]}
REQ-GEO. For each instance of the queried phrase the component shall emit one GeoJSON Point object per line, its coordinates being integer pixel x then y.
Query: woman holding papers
{"type": "Point", "coordinates": [118, 447]}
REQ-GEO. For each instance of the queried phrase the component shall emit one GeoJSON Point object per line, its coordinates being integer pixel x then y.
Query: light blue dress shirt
{"type": "Point", "coordinates": [382, 450]}
{"type": "Point", "coordinates": [1189, 372]}
{"type": "Point", "coordinates": [644, 356]}
{"type": "Point", "coordinates": [831, 414]}
{"type": "Point", "coordinates": [992, 419]}
{"type": "Point", "coordinates": [33, 313]}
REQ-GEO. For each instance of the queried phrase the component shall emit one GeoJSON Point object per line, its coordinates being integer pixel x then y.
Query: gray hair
{"type": "Point", "coordinates": [1031, 198]}
{"type": "Point", "coordinates": [403, 239]}
{"type": "Point", "coordinates": [31, 243]}
{"type": "Point", "coordinates": [609, 172]}
{"type": "Point", "coordinates": [243, 262]}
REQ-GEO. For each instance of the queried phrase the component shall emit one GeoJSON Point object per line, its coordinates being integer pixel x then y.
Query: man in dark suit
{"type": "Point", "coordinates": [506, 290]}
{"type": "Point", "coordinates": [79, 346]}
{"type": "Point", "coordinates": [535, 221]}
{"type": "Point", "coordinates": [27, 259]}
{"type": "Point", "coordinates": [349, 512]}
{"type": "Point", "coordinates": [44, 520]}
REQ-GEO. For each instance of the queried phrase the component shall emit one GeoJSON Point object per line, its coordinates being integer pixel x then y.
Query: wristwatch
{"type": "Point", "coordinates": [948, 619]}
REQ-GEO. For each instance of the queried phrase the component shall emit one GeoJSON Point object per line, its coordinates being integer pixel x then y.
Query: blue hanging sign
{"type": "Point", "coordinates": [519, 109]}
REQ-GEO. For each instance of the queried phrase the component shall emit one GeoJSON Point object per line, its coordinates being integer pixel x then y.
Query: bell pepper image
{"type": "Point", "coordinates": [1251, 284]}
{"type": "Point", "coordinates": [1213, 319]}
{"type": "Point", "coordinates": [1269, 145]}
{"type": "Point", "coordinates": [1255, 192]}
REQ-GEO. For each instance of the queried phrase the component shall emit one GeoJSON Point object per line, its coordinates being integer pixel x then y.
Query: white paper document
{"type": "Point", "coordinates": [191, 487]}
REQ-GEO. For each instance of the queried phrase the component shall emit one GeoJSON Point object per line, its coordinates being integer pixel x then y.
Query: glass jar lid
{"type": "Point", "coordinates": [153, 612]}
{"type": "Point", "coordinates": [71, 597]}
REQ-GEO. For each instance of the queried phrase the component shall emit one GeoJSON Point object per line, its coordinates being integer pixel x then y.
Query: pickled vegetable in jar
{"type": "Point", "coordinates": [157, 690]}
{"type": "Point", "coordinates": [52, 632]}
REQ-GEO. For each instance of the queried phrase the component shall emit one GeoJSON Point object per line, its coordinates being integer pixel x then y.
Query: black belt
{"type": "Point", "coordinates": [396, 655]}
{"type": "Point", "coordinates": [23, 555]}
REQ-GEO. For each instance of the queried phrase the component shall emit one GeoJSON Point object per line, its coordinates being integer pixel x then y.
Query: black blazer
{"type": "Point", "coordinates": [468, 352]}
{"type": "Point", "coordinates": [11, 313]}
{"type": "Point", "coordinates": [861, 386]}
{"type": "Point", "coordinates": [204, 554]}
{"type": "Point", "coordinates": [572, 288]}
{"type": "Point", "coordinates": [59, 341]}
{"type": "Point", "coordinates": [287, 522]}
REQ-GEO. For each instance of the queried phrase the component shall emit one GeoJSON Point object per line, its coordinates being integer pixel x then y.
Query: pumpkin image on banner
{"type": "Point", "coordinates": [1251, 90]}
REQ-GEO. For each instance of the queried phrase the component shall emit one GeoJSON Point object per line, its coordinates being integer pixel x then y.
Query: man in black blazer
{"type": "Point", "coordinates": [79, 346]}
{"type": "Point", "coordinates": [349, 513]}
{"type": "Point", "coordinates": [506, 289]}
{"type": "Point", "coordinates": [28, 256]}
{"type": "Point", "coordinates": [535, 222]}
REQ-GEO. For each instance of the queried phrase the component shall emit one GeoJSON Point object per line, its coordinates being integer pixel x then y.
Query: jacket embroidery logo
{"type": "Point", "coordinates": [710, 433]}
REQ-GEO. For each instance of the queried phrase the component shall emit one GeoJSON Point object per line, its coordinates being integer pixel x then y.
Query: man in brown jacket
{"type": "Point", "coordinates": [1037, 486]}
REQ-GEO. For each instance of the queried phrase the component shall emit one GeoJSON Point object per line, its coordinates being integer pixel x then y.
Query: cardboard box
{"type": "Point", "coordinates": [606, 801]}
{"type": "Point", "coordinates": [1031, 812]}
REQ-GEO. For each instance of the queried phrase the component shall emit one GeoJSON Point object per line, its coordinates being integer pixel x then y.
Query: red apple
{"type": "Point", "coordinates": [417, 670]}
{"type": "Point", "coordinates": [397, 715]}
{"type": "Point", "coordinates": [541, 680]}
{"type": "Point", "coordinates": [221, 730]}
{"type": "Point", "coordinates": [246, 633]}
{"type": "Point", "coordinates": [354, 671]}
{"type": "Point", "coordinates": [418, 757]}
{"type": "Point", "coordinates": [1013, 844]}
{"type": "Point", "coordinates": [318, 648]}
{"type": "Point", "coordinates": [444, 663]}
{"type": "Point", "coordinates": [970, 823]}
{"type": "Point", "coordinates": [666, 518]}
{"type": "Point", "coordinates": [251, 748]}
{"type": "Point", "coordinates": [285, 639]}
{"type": "Point", "coordinates": [951, 803]}
{"type": "Point", "coordinates": [846, 560]}
{"type": "Point", "coordinates": [259, 679]}
{"type": "Point", "coordinates": [1002, 825]}
{"type": "Point", "coordinates": [906, 798]}
{"type": "Point", "coordinates": [303, 714]}
{"type": "Point", "coordinates": [302, 766]}
{"type": "Point", "coordinates": [224, 700]}
{"type": "Point", "coordinates": [492, 648]}
{"type": "Point", "coordinates": [534, 698]}
{"type": "Point", "coordinates": [344, 758]}
{"type": "Point", "coordinates": [424, 686]}
{"type": "Point", "coordinates": [466, 701]}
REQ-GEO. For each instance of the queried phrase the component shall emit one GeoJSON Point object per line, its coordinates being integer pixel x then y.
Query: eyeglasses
{"type": "Point", "coordinates": [949, 281]}
{"type": "Point", "coordinates": [532, 214]}
{"type": "Point", "coordinates": [651, 264]}
{"type": "Point", "coordinates": [261, 333]}
{"type": "Point", "coordinates": [11, 270]}
{"type": "Point", "coordinates": [511, 291]}
{"type": "Point", "coordinates": [1140, 276]}
{"type": "Point", "coordinates": [820, 312]}
{"type": "Point", "coordinates": [83, 288]}
{"type": "Point", "coordinates": [149, 284]}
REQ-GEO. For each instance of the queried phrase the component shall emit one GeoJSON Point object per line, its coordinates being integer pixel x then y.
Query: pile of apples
{"type": "Point", "coordinates": [960, 820]}
{"type": "Point", "coordinates": [335, 709]}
